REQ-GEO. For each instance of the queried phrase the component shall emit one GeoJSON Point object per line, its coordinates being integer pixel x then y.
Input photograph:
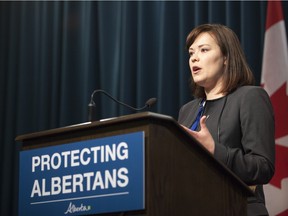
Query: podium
{"type": "Point", "coordinates": [179, 176]}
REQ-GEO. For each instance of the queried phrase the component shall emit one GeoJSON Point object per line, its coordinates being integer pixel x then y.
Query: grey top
{"type": "Point", "coordinates": [242, 126]}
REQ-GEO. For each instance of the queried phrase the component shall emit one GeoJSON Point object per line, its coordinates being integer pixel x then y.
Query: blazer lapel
{"type": "Point", "coordinates": [191, 114]}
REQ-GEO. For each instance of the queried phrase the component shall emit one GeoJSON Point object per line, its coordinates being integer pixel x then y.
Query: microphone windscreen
{"type": "Point", "coordinates": [151, 102]}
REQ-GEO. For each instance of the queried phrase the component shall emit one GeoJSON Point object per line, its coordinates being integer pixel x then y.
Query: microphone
{"type": "Point", "coordinates": [92, 106]}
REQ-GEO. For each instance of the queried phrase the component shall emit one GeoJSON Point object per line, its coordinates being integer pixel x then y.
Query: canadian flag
{"type": "Point", "coordinates": [274, 80]}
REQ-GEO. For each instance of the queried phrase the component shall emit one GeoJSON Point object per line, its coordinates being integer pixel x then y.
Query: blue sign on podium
{"type": "Point", "coordinates": [87, 177]}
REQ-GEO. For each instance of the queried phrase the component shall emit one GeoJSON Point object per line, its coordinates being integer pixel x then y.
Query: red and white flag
{"type": "Point", "coordinates": [274, 80]}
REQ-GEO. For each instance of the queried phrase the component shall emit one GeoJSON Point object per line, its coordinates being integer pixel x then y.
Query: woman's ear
{"type": "Point", "coordinates": [225, 60]}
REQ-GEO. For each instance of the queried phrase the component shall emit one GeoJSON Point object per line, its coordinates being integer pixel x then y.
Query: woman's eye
{"type": "Point", "coordinates": [204, 50]}
{"type": "Point", "coordinates": [191, 53]}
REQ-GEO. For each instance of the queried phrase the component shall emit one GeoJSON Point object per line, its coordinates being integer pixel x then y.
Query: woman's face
{"type": "Point", "coordinates": [207, 62]}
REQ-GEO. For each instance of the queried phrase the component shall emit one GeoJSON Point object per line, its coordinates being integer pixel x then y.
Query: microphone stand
{"type": "Point", "coordinates": [92, 105]}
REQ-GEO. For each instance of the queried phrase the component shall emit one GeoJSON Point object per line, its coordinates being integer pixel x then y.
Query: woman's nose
{"type": "Point", "coordinates": [195, 58]}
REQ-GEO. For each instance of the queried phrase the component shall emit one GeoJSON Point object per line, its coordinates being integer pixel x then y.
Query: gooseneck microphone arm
{"type": "Point", "coordinates": [92, 105]}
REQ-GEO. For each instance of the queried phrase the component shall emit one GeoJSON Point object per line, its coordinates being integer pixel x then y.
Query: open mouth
{"type": "Point", "coordinates": [196, 69]}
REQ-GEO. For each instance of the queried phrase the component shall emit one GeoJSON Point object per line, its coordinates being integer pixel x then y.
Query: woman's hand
{"type": "Point", "coordinates": [203, 136]}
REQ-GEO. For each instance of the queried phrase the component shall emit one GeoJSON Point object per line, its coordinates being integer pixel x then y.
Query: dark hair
{"type": "Point", "coordinates": [237, 72]}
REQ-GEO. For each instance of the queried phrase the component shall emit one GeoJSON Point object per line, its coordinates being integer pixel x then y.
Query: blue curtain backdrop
{"type": "Point", "coordinates": [54, 54]}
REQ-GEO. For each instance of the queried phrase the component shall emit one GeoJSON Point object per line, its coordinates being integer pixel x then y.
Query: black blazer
{"type": "Point", "coordinates": [242, 126]}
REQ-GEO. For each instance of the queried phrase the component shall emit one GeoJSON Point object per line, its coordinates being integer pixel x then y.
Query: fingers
{"type": "Point", "coordinates": [193, 133]}
{"type": "Point", "coordinates": [203, 122]}
{"type": "Point", "coordinates": [184, 126]}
